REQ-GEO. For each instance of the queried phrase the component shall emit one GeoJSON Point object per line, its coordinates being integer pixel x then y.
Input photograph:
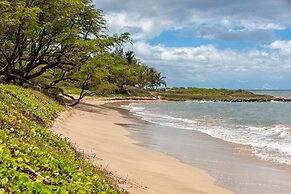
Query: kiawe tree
{"type": "Point", "coordinates": [38, 35]}
{"type": "Point", "coordinates": [52, 42]}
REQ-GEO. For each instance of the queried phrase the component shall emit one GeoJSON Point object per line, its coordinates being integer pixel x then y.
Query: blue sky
{"type": "Point", "coordinates": [209, 43]}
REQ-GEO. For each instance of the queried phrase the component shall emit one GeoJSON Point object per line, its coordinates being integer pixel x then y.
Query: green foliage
{"type": "Point", "coordinates": [32, 158]}
{"type": "Point", "coordinates": [113, 73]}
{"type": "Point", "coordinates": [133, 91]}
{"type": "Point", "coordinates": [59, 35]}
{"type": "Point", "coordinates": [106, 88]}
{"type": "Point", "coordinates": [148, 77]}
{"type": "Point", "coordinates": [63, 43]}
{"type": "Point", "coordinates": [207, 94]}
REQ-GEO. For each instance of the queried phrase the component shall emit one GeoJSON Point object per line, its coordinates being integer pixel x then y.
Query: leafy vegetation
{"type": "Point", "coordinates": [33, 159]}
{"type": "Point", "coordinates": [60, 43]}
{"type": "Point", "coordinates": [207, 94]}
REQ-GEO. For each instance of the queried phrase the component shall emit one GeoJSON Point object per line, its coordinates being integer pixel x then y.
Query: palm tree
{"type": "Point", "coordinates": [159, 80]}
{"type": "Point", "coordinates": [130, 57]}
{"type": "Point", "coordinates": [143, 77]}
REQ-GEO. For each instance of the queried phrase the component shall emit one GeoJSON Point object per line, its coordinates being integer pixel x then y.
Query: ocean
{"type": "Point", "coordinates": [228, 132]}
{"type": "Point", "coordinates": [276, 93]}
{"type": "Point", "coordinates": [265, 127]}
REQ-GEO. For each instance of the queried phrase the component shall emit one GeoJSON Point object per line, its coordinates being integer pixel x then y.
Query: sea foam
{"type": "Point", "coordinates": [271, 143]}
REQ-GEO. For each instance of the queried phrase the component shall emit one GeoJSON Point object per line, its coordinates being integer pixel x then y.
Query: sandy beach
{"type": "Point", "coordinates": [99, 131]}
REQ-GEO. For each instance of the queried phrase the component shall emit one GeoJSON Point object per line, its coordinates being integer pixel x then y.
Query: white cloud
{"type": "Point", "coordinates": [207, 54]}
{"type": "Point", "coordinates": [232, 33]}
{"type": "Point", "coordinates": [226, 20]}
{"type": "Point", "coordinates": [148, 18]}
{"type": "Point", "coordinates": [211, 64]}
{"type": "Point", "coordinates": [283, 46]}
{"type": "Point", "coordinates": [140, 27]}
{"type": "Point", "coordinates": [262, 25]}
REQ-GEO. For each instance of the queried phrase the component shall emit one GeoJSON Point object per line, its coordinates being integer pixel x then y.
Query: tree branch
{"type": "Point", "coordinates": [11, 76]}
{"type": "Point", "coordinates": [30, 170]}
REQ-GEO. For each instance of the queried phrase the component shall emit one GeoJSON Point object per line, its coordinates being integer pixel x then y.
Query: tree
{"type": "Point", "coordinates": [149, 77]}
{"type": "Point", "coordinates": [40, 35]}
{"type": "Point", "coordinates": [160, 80]}
{"type": "Point", "coordinates": [130, 57]}
{"type": "Point", "coordinates": [60, 43]}
{"type": "Point", "coordinates": [52, 39]}
{"type": "Point", "coordinates": [90, 77]}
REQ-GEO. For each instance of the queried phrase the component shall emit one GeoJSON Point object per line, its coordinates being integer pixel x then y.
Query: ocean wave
{"type": "Point", "coordinates": [133, 108]}
{"type": "Point", "coordinates": [267, 142]}
{"type": "Point", "coordinates": [201, 101]}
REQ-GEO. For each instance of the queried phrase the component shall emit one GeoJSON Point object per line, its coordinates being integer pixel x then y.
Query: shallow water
{"type": "Point", "coordinates": [265, 127]}
{"type": "Point", "coordinates": [222, 138]}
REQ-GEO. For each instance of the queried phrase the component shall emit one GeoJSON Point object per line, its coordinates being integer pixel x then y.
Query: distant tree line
{"type": "Point", "coordinates": [58, 43]}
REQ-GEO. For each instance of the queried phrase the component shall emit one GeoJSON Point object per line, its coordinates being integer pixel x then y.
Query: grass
{"type": "Point", "coordinates": [32, 158]}
{"type": "Point", "coordinates": [208, 94]}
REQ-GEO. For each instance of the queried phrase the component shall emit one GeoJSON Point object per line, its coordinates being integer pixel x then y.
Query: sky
{"type": "Point", "coordinates": [230, 44]}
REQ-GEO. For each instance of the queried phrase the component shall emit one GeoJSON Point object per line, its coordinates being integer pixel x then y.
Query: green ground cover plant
{"type": "Point", "coordinates": [32, 158]}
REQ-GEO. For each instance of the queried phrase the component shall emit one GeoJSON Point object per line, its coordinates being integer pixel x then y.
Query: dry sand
{"type": "Point", "coordinates": [98, 131]}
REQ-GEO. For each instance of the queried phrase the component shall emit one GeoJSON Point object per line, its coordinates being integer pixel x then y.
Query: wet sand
{"type": "Point", "coordinates": [99, 130]}
{"type": "Point", "coordinates": [231, 165]}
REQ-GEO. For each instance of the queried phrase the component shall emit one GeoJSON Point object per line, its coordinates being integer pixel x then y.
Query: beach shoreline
{"type": "Point", "coordinates": [232, 165]}
{"type": "Point", "coordinates": [98, 130]}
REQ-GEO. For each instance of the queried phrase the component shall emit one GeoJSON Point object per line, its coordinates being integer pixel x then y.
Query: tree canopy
{"type": "Point", "coordinates": [49, 42]}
